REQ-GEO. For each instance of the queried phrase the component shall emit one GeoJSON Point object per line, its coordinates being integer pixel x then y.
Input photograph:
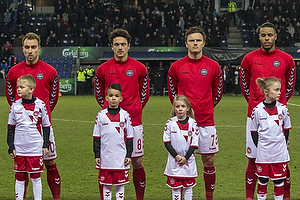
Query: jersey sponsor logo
{"type": "Point", "coordinates": [257, 64]}
{"type": "Point", "coordinates": [39, 76]}
{"type": "Point", "coordinates": [105, 124]}
{"type": "Point", "coordinates": [276, 63]}
{"type": "Point", "coordinates": [204, 72]}
{"type": "Point", "coordinates": [185, 72]}
{"type": "Point", "coordinates": [129, 73]}
{"type": "Point", "coordinates": [19, 113]}
{"type": "Point", "coordinates": [111, 73]}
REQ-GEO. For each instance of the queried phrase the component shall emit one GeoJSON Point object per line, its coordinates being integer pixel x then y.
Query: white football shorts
{"type": "Point", "coordinates": [138, 141]}
{"type": "Point", "coordinates": [208, 140]}
{"type": "Point", "coordinates": [52, 149]}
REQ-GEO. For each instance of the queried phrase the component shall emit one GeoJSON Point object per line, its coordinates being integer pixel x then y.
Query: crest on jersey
{"type": "Point", "coordinates": [276, 63]}
{"type": "Point", "coordinates": [280, 116]}
{"type": "Point", "coordinates": [190, 133]}
{"type": "Point", "coordinates": [39, 76]}
{"type": "Point", "coordinates": [129, 73]}
{"type": "Point", "coordinates": [35, 113]}
{"type": "Point", "coordinates": [122, 124]}
{"type": "Point", "coordinates": [204, 72]}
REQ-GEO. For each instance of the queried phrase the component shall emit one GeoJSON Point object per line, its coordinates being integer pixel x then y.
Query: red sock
{"type": "Point", "coordinates": [53, 179]}
{"type": "Point", "coordinates": [287, 185]}
{"type": "Point", "coordinates": [262, 188]}
{"type": "Point", "coordinates": [251, 178]}
{"type": "Point", "coordinates": [209, 174]}
{"type": "Point", "coordinates": [279, 189]}
{"type": "Point", "coordinates": [139, 181]}
{"type": "Point", "coordinates": [100, 188]}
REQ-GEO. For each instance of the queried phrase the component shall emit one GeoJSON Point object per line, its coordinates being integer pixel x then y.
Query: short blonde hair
{"type": "Point", "coordinates": [31, 36]}
{"type": "Point", "coordinates": [29, 78]}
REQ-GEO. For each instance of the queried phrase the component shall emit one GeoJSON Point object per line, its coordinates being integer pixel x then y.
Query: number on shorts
{"type": "Point", "coordinates": [139, 144]}
{"type": "Point", "coordinates": [51, 147]}
{"type": "Point", "coordinates": [214, 139]}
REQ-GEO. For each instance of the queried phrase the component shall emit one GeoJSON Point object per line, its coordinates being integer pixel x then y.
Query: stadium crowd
{"type": "Point", "coordinates": [151, 23]}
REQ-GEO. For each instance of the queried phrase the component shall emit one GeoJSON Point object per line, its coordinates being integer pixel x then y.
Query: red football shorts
{"type": "Point", "coordinates": [107, 177]}
{"type": "Point", "coordinates": [29, 164]}
{"type": "Point", "coordinates": [178, 182]}
{"type": "Point", "coordinates": [272, 171]}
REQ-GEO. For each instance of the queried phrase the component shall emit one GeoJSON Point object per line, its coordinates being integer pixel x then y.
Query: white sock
{"type": "Point", "coordinates": [19, 189]}
{"type": "Point", "coordinates": [261, 196]}
{"type": "Point", "coordinates": [176, 194]}
{"type": "Point", "coordinates": [119, 192]}
{"type": "Point", "coordinates": [37, 188]}
{"type": "Point", "coordinates": [188, 193]}
{"type": "Point", "coordinates": [107, 189]}
{"type": "Point", "coordinates": [278, 197]}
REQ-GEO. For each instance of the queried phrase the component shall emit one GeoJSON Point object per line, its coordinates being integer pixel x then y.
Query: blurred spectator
{"type": "Point", "coordinates": [12, 60]}
{"type": "Point", "coordinates": [171, 41]}
{"type": "Point", "coordinates": [7, 16]}
{"type": "Point", "coordinates": [4, 66]}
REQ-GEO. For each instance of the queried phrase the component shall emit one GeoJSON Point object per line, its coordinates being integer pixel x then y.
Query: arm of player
{"type": "Point", "coordinates": [172, 87]}
{"type": "Point", "coordinates": [96, 148]}
{"type": "Point", "coordinates": [99, 90]}
{"type": "Point", "coordinates": [254, 135]}
{"type": "Point", "coordinates": [53, 92]}
{"type": "Point", "coordinates": [10, 87]}
{"type": "Point", "coordinates": [245, 82]}
{"type": "Point", "coordinates": [217, 88]}
{"type": "Point", "coordinates": [144, 88]}
{"type": "Point", "coordinates": [129, 149]}
{"type": "Point", "coordinates": [290, 81]}
{"type": "Point", "coordinates": [10, 140]}
{"type": "Point", "coordinates": [46, 136]}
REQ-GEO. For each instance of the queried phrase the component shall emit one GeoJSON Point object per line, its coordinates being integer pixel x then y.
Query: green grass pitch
{"type": "Point", "coordinates": [73, 121]}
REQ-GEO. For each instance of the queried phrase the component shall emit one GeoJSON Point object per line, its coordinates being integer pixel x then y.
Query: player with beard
{"type": "Point", "coordinates": [134, 79]}
{"type": "Point", "coordinates": [268, 61]}
{"type": "Point", "coordinates": [47, 89]}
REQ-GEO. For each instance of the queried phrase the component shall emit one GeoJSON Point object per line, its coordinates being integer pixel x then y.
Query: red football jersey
{"type": "Point", "coordinates": [201, 82]}
{"type": "Point", "coordinates": [47, 82]}
{"type": "Point", "coordinates": [263, 64]}
{"type": "Point", "coordinates": [134, 79]}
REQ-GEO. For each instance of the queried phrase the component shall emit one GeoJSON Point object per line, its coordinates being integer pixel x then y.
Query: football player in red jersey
{"type": "Point", "coordinates": [134, 79]}
{"type": "Point", "coordinates": [200, 79]}
{"type": "Point", "coordinates": [47, 89]}
{"type": "Point", "coordinates": [268, 61]}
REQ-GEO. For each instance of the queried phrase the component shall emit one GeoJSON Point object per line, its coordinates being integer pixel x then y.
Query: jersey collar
{"type": "Point", "coordinates": [34, 65]}
{"type": "Point", "coordinates": [268, 53]}
{"type": "Point", "coordinates": [121, 62]}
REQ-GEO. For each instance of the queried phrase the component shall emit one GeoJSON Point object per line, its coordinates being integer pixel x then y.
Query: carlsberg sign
{"type": "Point", "coordinates": [67, 86]}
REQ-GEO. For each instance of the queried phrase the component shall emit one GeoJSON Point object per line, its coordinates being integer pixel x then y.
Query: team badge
{"type": "Point", "coordinates": [280, 116]}
{"type": "Point", "coordinates": [204, 72]}
{"type": "Point", "coordinates": [190, 133]}
{"type": "Point", "coordinates": [259, 169]}
{"type": "Point", "coordinates": [276, 63]}
{"type": "Point", "coordinates": [249, 150]}
{"type": "Point", "coordinates": [35, 113]}
{"type": "Point", "coordinates": [129, 73]}
{"type": "Point", "coordinates": [39, 76]}
{"type": "Point", "coordinates": [122, 124]}
{"type": "Point", "coordinates": [172, 181]}
{"type": "Point", "coordinates": [102, 178]}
